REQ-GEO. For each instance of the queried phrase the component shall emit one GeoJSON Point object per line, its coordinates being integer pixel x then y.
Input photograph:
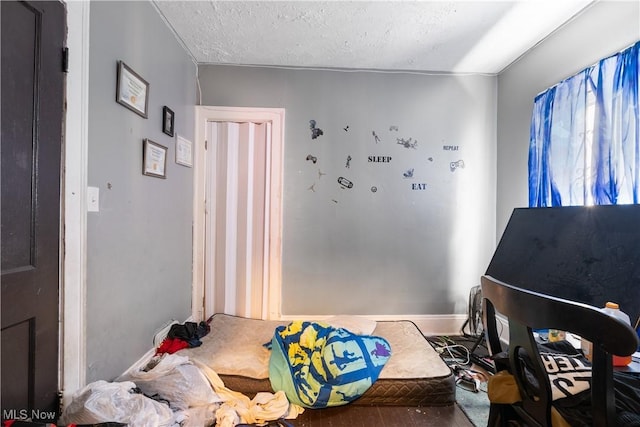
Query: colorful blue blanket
{"type": "Point", "coordinates": [317, 365]}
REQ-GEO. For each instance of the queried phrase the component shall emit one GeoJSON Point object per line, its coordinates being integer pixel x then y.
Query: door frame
{"type": "Point", "coordinates": [273, 193]}
{"type": "Point", "coordinates": [73, 282]}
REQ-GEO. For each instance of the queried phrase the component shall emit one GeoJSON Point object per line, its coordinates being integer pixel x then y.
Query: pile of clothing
{"type": "Point", "coordinates": [185, 335]}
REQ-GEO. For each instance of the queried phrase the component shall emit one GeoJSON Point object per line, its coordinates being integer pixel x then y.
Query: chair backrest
{"type": "Point", "coordinates": [527, 310]}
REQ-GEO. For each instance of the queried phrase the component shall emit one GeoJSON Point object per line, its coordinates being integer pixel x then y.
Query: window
{"type": "Point", "coordinates": [585, 137]}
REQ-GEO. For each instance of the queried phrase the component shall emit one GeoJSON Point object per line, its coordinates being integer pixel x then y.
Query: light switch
{"type": "Point", "coordinates": [93, 199]}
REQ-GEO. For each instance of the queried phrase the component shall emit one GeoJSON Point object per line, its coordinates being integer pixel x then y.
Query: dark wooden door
{"type": "Point", "coordinates": [32, 92]}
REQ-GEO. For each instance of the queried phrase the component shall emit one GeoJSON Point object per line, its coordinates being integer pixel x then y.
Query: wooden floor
{"type": "Point", "coordinates": [387, 416]}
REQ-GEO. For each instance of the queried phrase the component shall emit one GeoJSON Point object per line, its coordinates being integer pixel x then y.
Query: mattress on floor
{"type": "Point", "coordinates": [415, 375]}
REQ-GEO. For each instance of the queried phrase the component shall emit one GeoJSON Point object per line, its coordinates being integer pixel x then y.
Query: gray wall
{"type": "Point", "coordinates": [602, 30]}
{"type": "Point", "coordinates": [397, 250]}
{"type": "Point", "coordinates": [139, 244]}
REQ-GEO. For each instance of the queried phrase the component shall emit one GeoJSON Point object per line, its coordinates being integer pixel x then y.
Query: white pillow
{"type": "Point", "coordinates": [355, 324]}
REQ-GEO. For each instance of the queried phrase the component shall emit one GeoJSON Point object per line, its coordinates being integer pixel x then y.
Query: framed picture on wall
{"type": "Point", "coordinates": [184, 154]}
{"type": "Point", "coordinates": [168, 120]}
{"type": "Point", "coordinates": [132, 91]}
{"type": "Point", "coordinates": [154, 159]}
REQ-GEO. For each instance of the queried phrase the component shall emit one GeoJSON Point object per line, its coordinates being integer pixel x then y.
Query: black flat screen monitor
{"type": "Point", "coordinates": [585, 254]}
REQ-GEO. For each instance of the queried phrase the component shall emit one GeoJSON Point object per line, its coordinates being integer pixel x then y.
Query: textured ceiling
{"type": "Point", "coordinates": [422, 36]}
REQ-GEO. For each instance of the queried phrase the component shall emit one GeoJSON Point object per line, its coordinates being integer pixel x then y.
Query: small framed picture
{"type": "Point", "coordinates": [167, 120]}
{"type": "Point", "coordinates": [183, 152]}
{"type": "Point", "coordinates": [132, 91]}
{"type": "Point", "coordinates": [154, 159]}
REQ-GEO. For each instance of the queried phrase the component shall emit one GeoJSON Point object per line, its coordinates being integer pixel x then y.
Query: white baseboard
{"type": "Point", "coordinates": [140, 363]}
{"type": "Point", "coordinates": [429, 324]}
{"type": "Point", "coordinates": [449, 324]}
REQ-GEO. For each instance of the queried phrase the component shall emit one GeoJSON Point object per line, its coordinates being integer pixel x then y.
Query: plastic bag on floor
{"type": "Point", "coordinates": [102, 401]}
{"type": "Point", "coordinates": [199, 416]}
{"type": "Point", "coordinates": [175, 380]}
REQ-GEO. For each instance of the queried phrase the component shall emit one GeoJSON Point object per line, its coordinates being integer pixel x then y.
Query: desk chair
{"type": "Point", "coordinates": [527, 310]}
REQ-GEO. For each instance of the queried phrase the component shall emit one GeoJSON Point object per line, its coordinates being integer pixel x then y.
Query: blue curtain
{"type": "Point", "coordinates": [585, 136]}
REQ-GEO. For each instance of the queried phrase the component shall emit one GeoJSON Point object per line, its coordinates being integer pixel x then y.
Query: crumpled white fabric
{"type": "Point", "coordinates": [238, 408]}
{"type": "Point", "coordinates": [197, 416]}
{"type": "Point", "coordinates": [354, 324]}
